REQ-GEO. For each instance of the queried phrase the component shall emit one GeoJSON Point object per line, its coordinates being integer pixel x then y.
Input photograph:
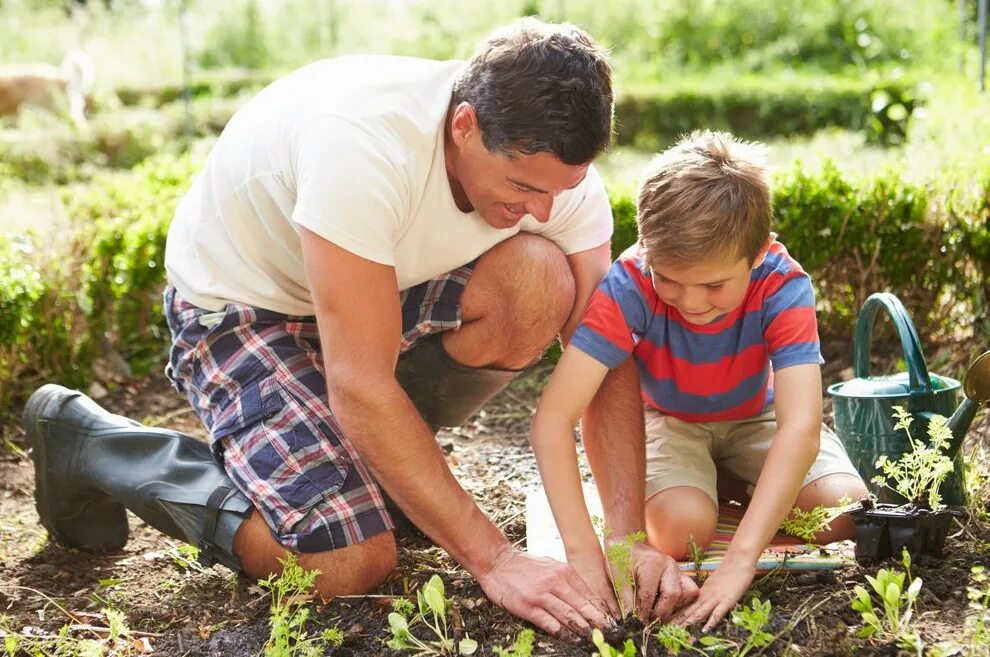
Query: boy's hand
{"type": "Point", "coordinates": [662, 587]}
{"type": "Point", "coordinates": [719, 594]}
{"type": "Point", "coordinates": [593, 571]}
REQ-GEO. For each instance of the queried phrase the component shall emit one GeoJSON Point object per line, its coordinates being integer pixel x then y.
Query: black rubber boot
{"type": "Point", "coordinates": [445, 392]}
{"type": "Point", "coordinates": [91, 465]}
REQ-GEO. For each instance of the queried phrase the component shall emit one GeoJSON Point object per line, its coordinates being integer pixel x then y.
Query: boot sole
{"type": "Point", "coordinates": [45, 504]}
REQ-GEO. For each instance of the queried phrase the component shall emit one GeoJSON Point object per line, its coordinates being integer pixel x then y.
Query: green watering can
{"type": "Point", "coordinates": [864, 407]}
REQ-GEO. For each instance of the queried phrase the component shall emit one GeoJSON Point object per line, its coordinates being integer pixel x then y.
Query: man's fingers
{"type": "Point", "coordinates": [689, 589]}
{"type": "Point", "coordinates": [567, 615]}
{"type": "Point", "coordinates": [648, 580]}
{"type": "Point", "coordinates": [574, 593]}
{"type": "Point", "coordinates": [670, 592]}
{"type": "Point", "coordinates": [543, 620]}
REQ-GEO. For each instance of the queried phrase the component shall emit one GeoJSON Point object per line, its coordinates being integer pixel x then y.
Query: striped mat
{"type": "Point", "coordinates": [784, 552]}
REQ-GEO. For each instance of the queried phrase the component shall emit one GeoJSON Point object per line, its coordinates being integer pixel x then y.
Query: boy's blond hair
{"type": "Point", "coordinates": [707, 197]}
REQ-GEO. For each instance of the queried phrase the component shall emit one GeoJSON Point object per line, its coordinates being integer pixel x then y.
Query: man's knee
{"type": "Point", "coordinates": [353, 569]}
{"type": "Point", "coordinates": [525, 286]}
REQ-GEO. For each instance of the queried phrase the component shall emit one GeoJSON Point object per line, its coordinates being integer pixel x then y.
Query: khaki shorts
{"type": "Point", "coordinates": [682, 453]}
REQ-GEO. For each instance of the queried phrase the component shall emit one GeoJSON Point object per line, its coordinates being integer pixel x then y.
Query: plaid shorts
{"type": "Point", "coordinates": [256, 380]}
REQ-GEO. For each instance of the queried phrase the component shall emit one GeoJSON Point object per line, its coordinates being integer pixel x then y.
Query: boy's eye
{"type": "Point", "coordinates": [715, 286]}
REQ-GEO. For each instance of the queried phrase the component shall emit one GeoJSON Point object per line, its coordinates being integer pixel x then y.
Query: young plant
{"type": "Point", "coordinates": [431, 611]}
{"type": "Point", "coordinates": [290, 591]}
{"type": "Point", "coordinates": [807, 524]}
{"type": "Point", "coordinates": [753, 620]}
{"type": "Point", "coordinates": [116, 639]}
{"type": "Point", "coordinates": [697, 556]}
{"type": "Point", "coordinates": [898, 606]}
{"type": "Point", "coordinates": [606, 650]}
{"type": "Point", "coordinates": [522, 647]}
{"type": "Point", "coordinates": [918, 474]}
{"type": "Point", "coordinates": [619, 555]}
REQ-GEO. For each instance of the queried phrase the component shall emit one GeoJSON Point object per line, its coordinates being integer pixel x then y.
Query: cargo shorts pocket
{"type": "Point", "coordinates": [280, 445]}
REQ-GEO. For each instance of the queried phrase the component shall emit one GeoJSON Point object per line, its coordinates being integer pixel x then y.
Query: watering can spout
{"type": "Point", "coordinates": [976, 388]}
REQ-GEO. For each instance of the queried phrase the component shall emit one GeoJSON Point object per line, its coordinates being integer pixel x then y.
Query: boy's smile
{"type": "Point", "coordinates": [704, 291]}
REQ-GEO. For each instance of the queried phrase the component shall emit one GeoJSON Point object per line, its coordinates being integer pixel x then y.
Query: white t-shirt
{"type": "Point", "coordinates": [352, 149]}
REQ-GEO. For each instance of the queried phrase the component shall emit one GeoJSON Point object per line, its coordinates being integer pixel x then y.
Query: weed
{"type": "Point", "coordinates": [431, 611]}
{"type": "Point", "coordinates": [919, 473]}
{"type": "Point", "coordinates": [522, 647]}
{"type": "Point", "coordinates": [898, 607]}
{"type": "Point", "coordinates": [976, 480]}
{"type": "Point", "coordinates": [606, 650]}
{"type": "Point", "coordinates": [290, 591]}
{"type": "Point", "coordinates": [186, 557]}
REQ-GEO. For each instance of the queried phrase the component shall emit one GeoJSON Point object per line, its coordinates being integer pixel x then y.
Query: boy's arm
{"type": "Point", "coordinates": [798, 404]}
{"type": "Point", "coordinates": [573, 384]}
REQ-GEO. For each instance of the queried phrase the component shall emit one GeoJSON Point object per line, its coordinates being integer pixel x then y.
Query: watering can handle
{"type": "Point", "coordinates": [917, 370]}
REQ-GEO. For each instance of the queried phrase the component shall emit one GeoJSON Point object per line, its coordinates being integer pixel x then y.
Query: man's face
{"type": "Point", "coordinates": [504, 189]}
{"type": "Point", "coordinates": [704, 291]}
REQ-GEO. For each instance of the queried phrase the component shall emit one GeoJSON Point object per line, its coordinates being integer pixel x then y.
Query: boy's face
{"type": "Point", "coordinates": [707, 290]}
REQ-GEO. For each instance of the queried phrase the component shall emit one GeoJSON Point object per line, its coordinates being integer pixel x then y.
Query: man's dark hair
{"type": "Point", "coordinates": [540, 88]}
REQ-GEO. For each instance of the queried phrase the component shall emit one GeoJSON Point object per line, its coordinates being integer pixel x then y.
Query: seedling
{"type": "Point", "coordinates": [290, 592]}
{"type": "Point", "coordinates": [606, 650]}
{"type": "Point", "coordinates": [116, 640]}
{"type": "Point", "coordinates": [806, 525]}
{"type": "Point", "coordinates": [619, 555]}
{"type": "Point", "coordinates": [918, 474]}
{"type": "Point", "coordinates": [898, 606]}
{"type": "Point", "coordinates": [752, 619]}
{"type": "Point", "coordinates": [431, 611]}
{"type": "Point", "coordinates": [697, 556]}
{"type": "Point", "coordinates": [523, 646]}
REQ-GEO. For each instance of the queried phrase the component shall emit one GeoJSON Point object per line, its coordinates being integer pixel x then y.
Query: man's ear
{"type": "Point", "coordinates": [762, 255]}
{"type": "Point", "coordinates": [463, 123]}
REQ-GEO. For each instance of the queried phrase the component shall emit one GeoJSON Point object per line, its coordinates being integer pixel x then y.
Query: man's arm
{"type": "Point", "coordinates": [798, 404]}
{"type": "Point", "coordinates": [359, 319]}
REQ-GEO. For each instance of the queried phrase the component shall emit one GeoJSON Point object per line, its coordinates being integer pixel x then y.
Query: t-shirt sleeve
{"type": "Point", "coordinates": [581, 218]}
{"type": "Point", "coordinates": [790, 327]}
{"type": "Point", "coordinates": [349, 188]}
{"type": "Point", "coordinates": [617, 314]}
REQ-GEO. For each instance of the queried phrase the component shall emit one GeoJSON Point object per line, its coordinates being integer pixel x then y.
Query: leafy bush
{"type": "Point", "coordinates": [756, 107]}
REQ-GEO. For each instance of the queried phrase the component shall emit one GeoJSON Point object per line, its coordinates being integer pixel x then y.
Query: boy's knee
{"type": "Point", "coordinates": [679, 518]}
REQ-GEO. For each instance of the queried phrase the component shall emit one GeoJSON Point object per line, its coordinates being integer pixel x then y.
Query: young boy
{"type": "Point", "coordinates": [720, 322]}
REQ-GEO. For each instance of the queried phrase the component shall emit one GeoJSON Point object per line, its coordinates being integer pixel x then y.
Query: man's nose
{"type": "Point", "coordinates": [540, 208]}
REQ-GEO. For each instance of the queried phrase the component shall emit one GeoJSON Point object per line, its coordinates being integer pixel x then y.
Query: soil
{"type": "Point", "coordinates": [175, 609]}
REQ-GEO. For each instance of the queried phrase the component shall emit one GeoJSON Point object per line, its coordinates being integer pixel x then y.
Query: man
{"type": "Point", "coordinates": [376, 246]}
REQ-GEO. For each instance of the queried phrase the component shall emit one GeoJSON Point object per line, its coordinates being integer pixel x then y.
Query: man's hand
{"type": "Point", "coordinates": [545, 592]}
{"type": "Point", "coordinates": [720, 593]}
{"type": "Point", "coordinates": [661, 586]}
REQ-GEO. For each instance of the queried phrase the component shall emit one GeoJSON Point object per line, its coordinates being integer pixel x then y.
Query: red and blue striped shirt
{"type": "Point", "coordinates": [719, 371]}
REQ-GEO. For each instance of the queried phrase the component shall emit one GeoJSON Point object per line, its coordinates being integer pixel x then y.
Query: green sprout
{"type": "Point", "coordinates": [919, 473]}
{"type": "Point", "coordinates": [431, 611]}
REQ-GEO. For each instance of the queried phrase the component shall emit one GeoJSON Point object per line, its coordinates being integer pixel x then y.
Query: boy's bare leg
{"type": "Point", "coordinates": [675, 516]}
{"type": "Point", "coordinates": [827, 491]}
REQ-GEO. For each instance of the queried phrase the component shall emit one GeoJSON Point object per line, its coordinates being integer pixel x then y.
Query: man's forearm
{"type": "Point", "coordinates": [398, 447]}
{"type": "Point", "coordinates": [614, 441]}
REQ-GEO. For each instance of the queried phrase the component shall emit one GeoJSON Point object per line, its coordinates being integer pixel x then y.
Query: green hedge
{"type": "Point", "coordinates": [758, 107]}
{"type": "Point", "coordinates": [62, 311]}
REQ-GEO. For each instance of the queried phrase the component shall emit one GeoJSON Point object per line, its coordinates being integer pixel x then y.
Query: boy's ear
{"type": "Point", "coordinates": [762, 255]}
